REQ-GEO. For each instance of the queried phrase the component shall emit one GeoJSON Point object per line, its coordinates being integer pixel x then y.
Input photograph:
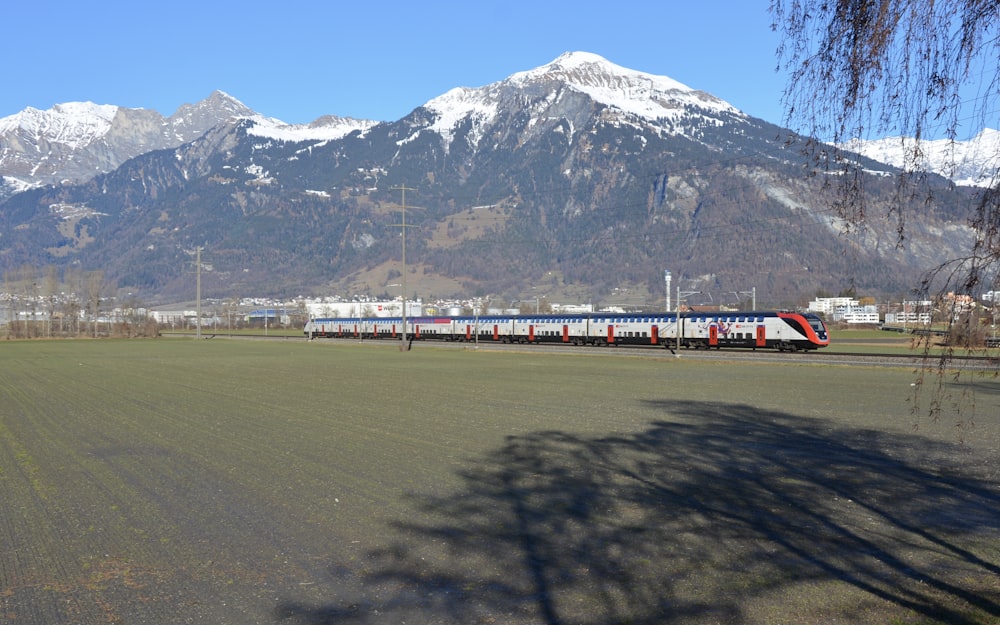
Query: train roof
{"type": "Point", "coordinates": [554, 316]}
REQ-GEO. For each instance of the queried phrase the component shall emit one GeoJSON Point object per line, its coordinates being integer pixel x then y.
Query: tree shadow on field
{"type": "Point", "coordinates": [717, 513]}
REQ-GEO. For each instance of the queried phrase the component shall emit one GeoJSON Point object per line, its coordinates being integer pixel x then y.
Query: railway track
{"type": "Point", "coordinates": [984, 363]}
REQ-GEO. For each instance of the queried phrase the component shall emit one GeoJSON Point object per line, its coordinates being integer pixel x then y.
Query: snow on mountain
{"type": "Point", "coordinates": [648, 97]}
{"type": "Point", "coordinates": [75, 141]}
{"type": "Point", "coordinates": [645, 95]}
{"type": "Point", "coordinates": [975, 162]}
{"type": "Point", "coordinates": [326, 128]}
{"type": "Point", "coordinates": [74, 124]}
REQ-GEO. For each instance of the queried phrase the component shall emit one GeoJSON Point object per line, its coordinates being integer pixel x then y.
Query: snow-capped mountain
{"type": "Point", "coordinates": [975, 162]}
{"type": "Point", "coordinates": [75, 141]}
{"type": "Point", "coordinates": [638, 98]}
{"type": "Point", "coordinates": [654, 98]}
{"type": "Point", "coordinates": [577, 177]}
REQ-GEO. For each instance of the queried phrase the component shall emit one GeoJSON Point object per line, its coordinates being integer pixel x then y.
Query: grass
{"type": "Point", "coordinates": [865, 341]}
{"type": "Point", "coordinates": [312, 482]}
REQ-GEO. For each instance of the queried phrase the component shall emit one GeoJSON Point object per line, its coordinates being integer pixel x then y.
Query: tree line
{"type": "Point", "coordinates": [51, 302]}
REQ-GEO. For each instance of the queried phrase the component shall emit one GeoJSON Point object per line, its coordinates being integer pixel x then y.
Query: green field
{"type": "Point", "coordinates": [234, 481]}
{"type": "Point", "coordinates": [871, 341]}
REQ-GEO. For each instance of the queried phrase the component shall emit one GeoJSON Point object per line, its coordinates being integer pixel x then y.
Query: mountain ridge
{"type": "Point", "coordinates": [75, 141]}
{"type": "Point", "coordinates": [583, 191]}
{"type": "Point", "coordinates": [974, 162]}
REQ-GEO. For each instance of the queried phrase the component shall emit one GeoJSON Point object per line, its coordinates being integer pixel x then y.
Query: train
{"type": "Point", "coordinates": [780, 330]}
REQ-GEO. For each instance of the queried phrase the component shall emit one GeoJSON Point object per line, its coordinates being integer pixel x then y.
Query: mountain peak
{"type": "Point", "coordinates": [587, 67]}
{"type": "Point", "coordinates": [647, 98]}
{"type": "Point", "coordinates": [646, 95]}
{"type": "Point", "coordinates": [216, 104]}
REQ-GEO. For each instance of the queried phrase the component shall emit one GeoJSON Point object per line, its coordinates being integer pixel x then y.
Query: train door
{"type": "Point", "coordinates": [531, 333]}
{"type": "Point", "coordinates": [761, 337]}
{"type": "Point", "coordinates": [468, 332]}
{"type": "Point", "coordinates": [713, 335]}
{"type": "Point", "coordinates": [496, 332]}
{"type": "Point", "coordinates": [611, 333]}
{"type": "Point", "coordinates": [565, 334]}
{"type": "Point", "coordinates": [654, 335]}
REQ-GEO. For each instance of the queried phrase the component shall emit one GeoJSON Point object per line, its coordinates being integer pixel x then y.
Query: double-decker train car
{"type": "Point", "coordinates": [781, 330]}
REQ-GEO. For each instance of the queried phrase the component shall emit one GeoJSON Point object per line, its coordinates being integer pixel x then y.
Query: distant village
{"type": "Point", "coordinates": [67, 315]}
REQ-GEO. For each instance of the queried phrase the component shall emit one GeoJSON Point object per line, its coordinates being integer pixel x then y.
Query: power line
{"type": "Point", "coordinates": [403, 189]}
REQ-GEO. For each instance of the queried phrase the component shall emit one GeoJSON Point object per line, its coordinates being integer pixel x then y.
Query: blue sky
{"type": "Point", "coordinates": [299, 59]}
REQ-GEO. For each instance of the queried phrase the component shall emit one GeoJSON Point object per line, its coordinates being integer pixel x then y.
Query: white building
{"type": "Point", "coordinates": [572, 308]}
{"type": "Point", "coordinates": [318, 309]}
{"type": "Point", "coordinates": [912, 312]}
{"type": "Point", "coordinates": [173, 317]}
{"type": "Point", "coordinates": [863, 314]}
{"type": "Point", "coordinates": [828, 305]}
{"type": "Point", "coordinates": [845, 309]}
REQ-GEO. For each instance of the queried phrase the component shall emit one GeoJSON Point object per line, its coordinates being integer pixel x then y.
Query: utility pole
{"type": "Point", "coordinates": [680, 327]}
{"type": "Point", "coordinates": [197, 271]}
{"type": "Point", "coordinates": [403, 189]}
{"type": "Point", "coordinates": [752, 293]}
{"type": "Point", "coordinates": [197, 262]}
{"type": "Point", "coordinates": [666, 275]}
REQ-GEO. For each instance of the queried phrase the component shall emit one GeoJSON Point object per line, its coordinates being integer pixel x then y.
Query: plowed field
{"type": "Point", "coordinates": [181, 481]}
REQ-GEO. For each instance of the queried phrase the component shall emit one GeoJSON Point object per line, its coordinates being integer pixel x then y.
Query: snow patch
{"type": "Point", "coordinates": [975, 162]}
{"type": "Point", "coordinates": [328, 128]}
{"type": "Point", "coordinates": [72, 211]}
